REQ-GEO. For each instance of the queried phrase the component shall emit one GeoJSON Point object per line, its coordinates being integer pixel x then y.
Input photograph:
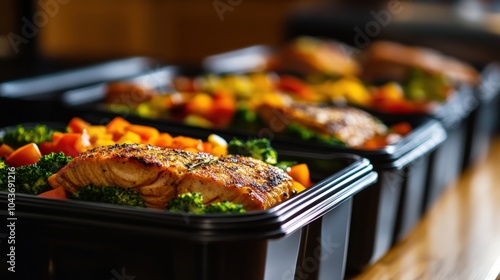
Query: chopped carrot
{"type": "Point", "coordinates": [207, 147]}
{"type": "Point", "coordinates": [189, 149]}
{"type": "Point", "coordinates": [72, 144]}
{"type": "Point", "coordinates": [117, 127]}
{"type": "Point", "coordinates": [148, 134]}
{"type": "Point", "coordinates": [5, 150]}
{"type": "Point", "coordinates": [46, 148]}
{"type": "Point", "coordinates": [164, 140]}
{"type": "Point", "coordinates": [297, 187]}
{"type": "Point", "coordinates": [300, 173]}
{"type": "Point", "coordinates": [374, 143]}
{"type": "Point", "coordinates": [402, 128]}
{"type": "Point", "coordinates": [295, 85]}
{"type": "Point", "coordinates": [219, 151]}
{"type": "Point", "coordinates": [199, 104]}
{"type": "Point", "coordinates": [58, 193]}
{"type": "Point", "coordinates": [57, 136]}
{"type": "Point", "coordinates": [76, 125]}
{"type": "Point", "coordinates": [97, 133]}
{"type": "Point", "coordinates": [182, 142]}
{"type": "Point", "coordinates": [222, 110]}
{"type": "Point", "coordinates": [129, 137]}
{"type": "Point", "coordinates": [25, 155]}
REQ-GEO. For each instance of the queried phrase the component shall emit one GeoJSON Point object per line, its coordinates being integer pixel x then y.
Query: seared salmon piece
{"type": "Point", "coordinates": [238, 179]}
{"type": "Point", "coordinates": [160, 174]}
{"type": "Point", "coordinates": [350, 125]}
{"type": "Point", "coordinates": [152, 171]}
{"type": "Point", "coordinates": [386, 60]}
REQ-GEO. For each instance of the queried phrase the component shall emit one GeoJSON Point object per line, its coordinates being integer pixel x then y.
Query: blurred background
{"type": "Point", "coordinates": [174, 30]}
{"type": "Point", "coordinates": [186, 31]}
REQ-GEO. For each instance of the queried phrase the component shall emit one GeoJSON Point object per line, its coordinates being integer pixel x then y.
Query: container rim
{"type": "Point", "coordinates": [276, 222]}
{"type": "Point", "coordinates": [59, 81]}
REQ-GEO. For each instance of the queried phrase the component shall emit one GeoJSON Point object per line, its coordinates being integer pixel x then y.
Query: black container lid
{"type": "Point", "coordinates": [40, 87]}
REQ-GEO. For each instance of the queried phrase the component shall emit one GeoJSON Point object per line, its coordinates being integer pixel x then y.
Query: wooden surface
{"type": "Point", "coordinates": [458, 238]}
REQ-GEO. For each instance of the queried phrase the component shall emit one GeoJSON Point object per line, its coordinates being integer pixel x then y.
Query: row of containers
{"type": "Point", "coordinates": [364, 200]}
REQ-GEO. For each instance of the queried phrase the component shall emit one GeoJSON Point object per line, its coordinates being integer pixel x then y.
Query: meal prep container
{"type": "Point", "coordinates": [305, 236]}
{"type": "Point", "coordinates": [35, 98]}
{"type": "Point", "coordinates": [484, 120]}
{"type": "Point", "coordinates": [466, 119]}
{"type": "Point", "coordinates": [386, 212]}
{"type": "Point", "coordinates": [437, 169]}
{"type": "Point", "coordinates": [382, 215]}
{"type": "Point", "coordinates": [447, 161]}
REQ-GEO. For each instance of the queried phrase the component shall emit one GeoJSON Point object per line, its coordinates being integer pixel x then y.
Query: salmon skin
{"type": "Point", "coordinates": [160, 174]}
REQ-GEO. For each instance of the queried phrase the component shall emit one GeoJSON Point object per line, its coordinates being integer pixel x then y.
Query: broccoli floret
{"type": "Point", "coordinates": [244, 115]}
{"type": "Point", "coordinates": [3, 175]}
{"type": "Point", "coordinates": [256, 148]}
{"type": "Point", "coordinates": [305, 133]}
{"type": "Point", "coordinates": [246, 118]}
{"type": "Point", "coordinates": [225, 207]}
{"type": "Point", "coordinates": [20, 136]}
{"type": "Point", "coordinates": [112, 194]}
{"type": "Point", "coordinates": [53, 162]}
{"type": "Point", "coordinates": [192, 203]}
{"type": "Point", "coordinates": [187, 203]}
{"type": "Point", "coordinates": [31, 179]}
{"type": "Point", "coordinates": [426, 86]}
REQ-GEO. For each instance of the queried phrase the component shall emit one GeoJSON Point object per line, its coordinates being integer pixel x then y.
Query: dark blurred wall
{"type": "Point", "coordinates": [9, 14]}
{"type": "Point", "coordinates": [174, 30]}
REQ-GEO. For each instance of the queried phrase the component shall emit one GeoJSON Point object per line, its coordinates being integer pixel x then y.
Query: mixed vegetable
{"type": "Point", "coordinates": [38, 152]}
{"type": "Point", "coordinates": [385, 77]}
{"type": "Point", "coordinates": [234, 101]}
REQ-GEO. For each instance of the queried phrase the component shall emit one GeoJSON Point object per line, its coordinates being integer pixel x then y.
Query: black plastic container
{"type": "Point", "coordinates": [35, 98]}
{"type": "Point", "coordinates": [484, 120]}
{"type": "Point", "coordinates": [386, 212]}
{"type": "Point", "coordinates": [305, 236]}
{"type": "Point", "coordinates": [381, 216]}
{"type": "Point", "coordinates": [466, 118]}
{"type": "Point", "coordinates": [446, 162]}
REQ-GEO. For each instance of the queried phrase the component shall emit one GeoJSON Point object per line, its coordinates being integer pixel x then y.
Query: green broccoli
{"type": "Point", "coordinates": [426, 86]}
{"type": "Point", "coordinates": [305, 133]}
{"type": "Point", "coordinates": [192, 203]}
{"type": "Point", "coordinates": [20, 136]}
{"type": "Point", "coordinates": [246, 117]}
{"type": "Point", "coordinates": [112, 195]}
{"type": "Point", "coordinates": [187, 203]}
{"type": "Point", "coordinates": [225, 207]}
{"type": "Point", "coordinates": [3, 175]}
{"type": "Point", "coordinates": [256, 148]}
{"type": "Point", "coordinates": [53, 162]}
{"type": "Point", "coordinates": [32, 179]}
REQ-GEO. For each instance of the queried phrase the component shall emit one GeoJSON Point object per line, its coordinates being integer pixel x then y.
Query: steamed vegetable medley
{"type": "Point", "coordinates": [264, 100]}
{"type": "Point", "coordinates": [384, 77]}
{"type": "Point", "coordinates": [39, 153]}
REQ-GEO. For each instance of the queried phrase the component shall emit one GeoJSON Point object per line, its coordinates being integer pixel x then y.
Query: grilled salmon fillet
{"type": "Point", "coordinates": [390, 60]}
{"type": "Point", "coordinates": [245, 180]}
{"type": "Point", "coordinates": [350, 125]}
{"type": "Point", "coordinates": [160, 174]}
